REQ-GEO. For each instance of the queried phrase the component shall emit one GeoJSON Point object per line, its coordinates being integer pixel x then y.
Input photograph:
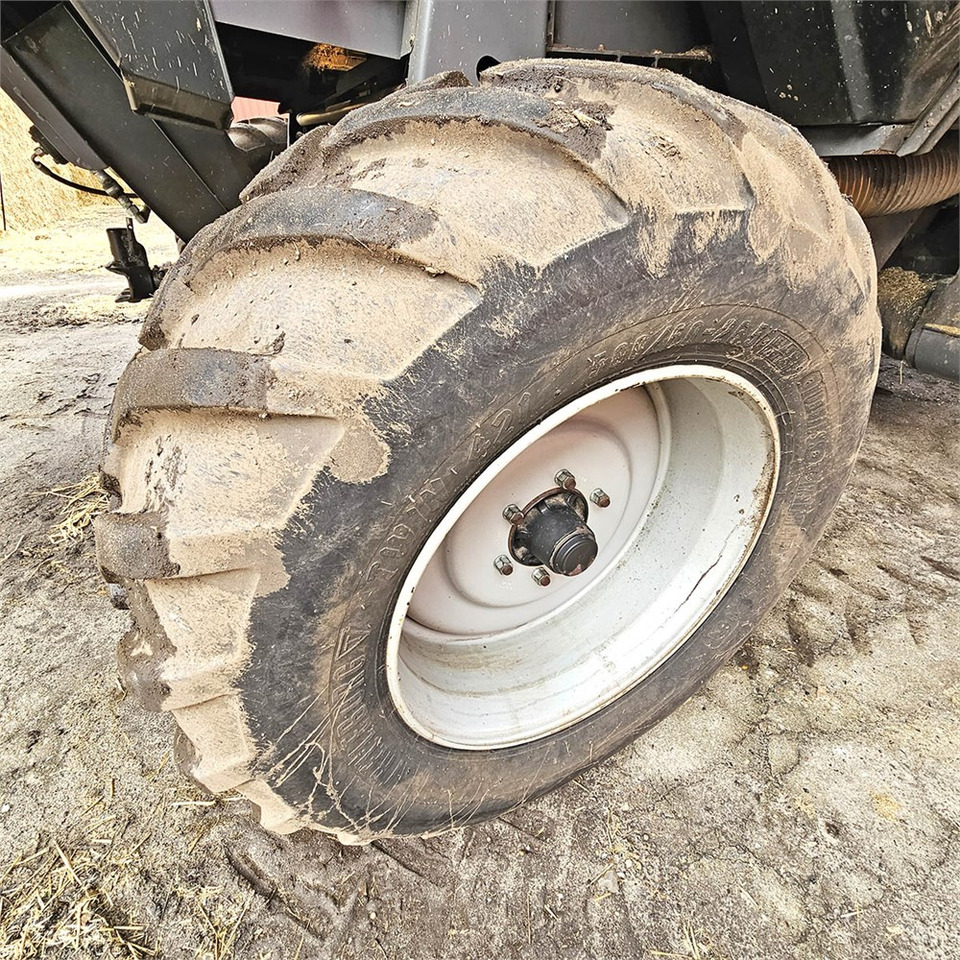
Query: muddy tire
{"type": "Point", "coordinates": [441, 280]}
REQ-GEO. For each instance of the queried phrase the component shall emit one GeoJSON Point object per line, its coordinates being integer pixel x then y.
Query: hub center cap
{"type": "Point", "coordinates": [553, 532]}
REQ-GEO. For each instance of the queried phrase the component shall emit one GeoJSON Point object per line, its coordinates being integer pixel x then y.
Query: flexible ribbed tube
{"type": "Point", "coordinates": [878, 184]}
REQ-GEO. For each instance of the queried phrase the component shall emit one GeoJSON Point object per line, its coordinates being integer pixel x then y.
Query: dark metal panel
{"type": "Point", "coordinates": [53, 126]}
{"type": "Point", "coordinates": [222, 168]}
{"type": "Point", "coordinates": [648, 28]}
{"type": "Point", "coordinates": [940, 116]}
{"type": "Point", "coordinates": [458, 35]}
{"type": "Point", "coordinates": [68, 67]}
{"type": "Point", "coordinates": [818, 63]}
{"type": "Point", "coordinates": [886, 232]}
{"type": "Point", "coordinates": [370, 26]}
{"type": "Point", "coordinates": [847, 140]}
{"type": "Point", "coordinates": [903, 139]}
{"type": "Point", "coordinates": [168, 55]}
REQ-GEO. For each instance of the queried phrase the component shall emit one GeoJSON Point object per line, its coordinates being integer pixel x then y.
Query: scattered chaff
{"type": "Point", "coordinates": [73, 893]}
{"type": "Point", "coordinates": [619, 857]}
{"type": "Point", "coordinates": [693, 948]}
{"type": "Point", "coordinates": [10, 553]}
{"type": "Point", "coordinates": [220, 918]}
{"type": "Point", "coordinates": [692, 942]}
{"type": "Point", "coordinates": [83, 501]}
{"type": "Point", "coordinates": [60, 899]}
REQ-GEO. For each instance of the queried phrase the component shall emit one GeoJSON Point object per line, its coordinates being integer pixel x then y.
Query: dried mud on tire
{"type": "Point", "coordinates": [802, 806]}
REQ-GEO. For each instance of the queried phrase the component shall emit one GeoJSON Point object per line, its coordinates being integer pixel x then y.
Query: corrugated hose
{"type": "Point", "coordinates": [879, 184]}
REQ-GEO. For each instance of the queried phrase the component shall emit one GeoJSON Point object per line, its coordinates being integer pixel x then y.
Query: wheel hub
{"type": "Point", "coordinates": [553, 532]}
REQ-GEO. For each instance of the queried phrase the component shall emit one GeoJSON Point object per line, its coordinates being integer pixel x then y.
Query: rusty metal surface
{"type": "Point", "coordinates": [882, 184]}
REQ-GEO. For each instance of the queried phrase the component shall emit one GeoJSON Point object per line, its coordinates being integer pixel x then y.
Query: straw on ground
{"type": "Point", "coordinates": [82, 502]}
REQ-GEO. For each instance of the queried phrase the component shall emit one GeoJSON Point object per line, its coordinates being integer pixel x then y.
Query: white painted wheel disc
{"type": "Point", "coordinates": [689, 456]}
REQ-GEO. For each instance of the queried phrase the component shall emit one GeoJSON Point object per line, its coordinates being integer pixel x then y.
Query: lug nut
{"type": "Point", "coordinates": [512, 514]}
{"type": "Point", "coordinates": [566, 480]}
{"type": "Point", "coordinates": [541, 577]}
{"type": "Point", "coordinates": [504, 565]}
{"type": "Point", "coordinates": [600, 498]}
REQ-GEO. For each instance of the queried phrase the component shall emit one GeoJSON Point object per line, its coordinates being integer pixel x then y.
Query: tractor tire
{"type": "Point", "coordinates": [426, 315]}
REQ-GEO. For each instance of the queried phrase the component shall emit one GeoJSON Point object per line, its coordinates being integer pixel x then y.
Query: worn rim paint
{"type": "Point", "coordinates": [694, 502]}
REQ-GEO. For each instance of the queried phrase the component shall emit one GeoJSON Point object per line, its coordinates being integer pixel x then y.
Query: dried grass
{"type": "Point", "coordinates": [30, 199]}
{"type": "Point", "coordinates": [619, 856]}
{"type": "Point", "coordinates": [82, 502]}
{"type": "Point", "coordinates": [220, 919]}
{"type": "Point", "coordinates": [60, 899]}
{"type": "Point", "coordinates": [694, 947]}
{"type": "Point", "coordinates": [70, 893]}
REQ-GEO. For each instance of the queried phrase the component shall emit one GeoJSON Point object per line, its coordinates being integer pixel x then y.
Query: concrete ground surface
{"type": "Point", "coordinates": [804, 805]}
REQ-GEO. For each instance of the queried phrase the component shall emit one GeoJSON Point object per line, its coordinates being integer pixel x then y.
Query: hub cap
{"type": "Point", "coordinates": [684, 462]}
{"type": "Point", "coordinates": [554, 533]}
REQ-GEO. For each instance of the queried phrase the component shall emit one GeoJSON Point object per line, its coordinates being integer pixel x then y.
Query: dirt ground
{"type": "Point", "coordinates": [806, 804]}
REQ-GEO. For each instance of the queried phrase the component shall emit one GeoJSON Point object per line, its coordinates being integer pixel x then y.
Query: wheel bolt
{"type": "Point", "coordinates": [512, 513]}
{"type": "Point", "coordinates": [541, 577]}
{"type": "Point", "coordinates": [600, 498]}
{"type": "Point", "coordinates": [504, 564]}
{"type": "Point", "coordinates": [566, 480]}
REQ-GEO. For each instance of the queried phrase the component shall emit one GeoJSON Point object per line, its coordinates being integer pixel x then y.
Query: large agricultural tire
{"type": "Point", "coordinates": [399, 310]}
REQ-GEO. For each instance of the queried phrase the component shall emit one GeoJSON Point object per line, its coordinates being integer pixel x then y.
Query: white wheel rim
{"type": "Point", "coordinates": [689, 456]}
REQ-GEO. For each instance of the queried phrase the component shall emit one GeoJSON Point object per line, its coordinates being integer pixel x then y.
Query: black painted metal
{"type": "Point", "coordinates": [130, 261]}
{"type": "Point", "coordinates": [57, 133]}
{"type": "Point", "coordinates": [188, 175]}
{"type": "Point", "coordinates": [168, 55]}
{"type": "Point", "coordinates": [653, 27]}
{"type": "Point", "coordinates": [821, 62]}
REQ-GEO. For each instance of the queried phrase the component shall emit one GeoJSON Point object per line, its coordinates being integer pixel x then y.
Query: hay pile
{"type": "Point", "coordinates": [31, 200]}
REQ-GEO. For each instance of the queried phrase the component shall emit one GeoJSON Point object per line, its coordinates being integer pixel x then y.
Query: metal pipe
{"type": "Point", "coordinates": [113, 189]}
{"type": "Point", "coordinates": [935, 349]}
{"type": "Point", "coordinates": [880, 184]}
{"type": "Point", "coordinates": [934, 343]}
{"type": "Point", "coordinates": [334, 112]}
